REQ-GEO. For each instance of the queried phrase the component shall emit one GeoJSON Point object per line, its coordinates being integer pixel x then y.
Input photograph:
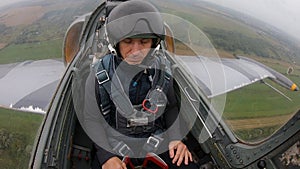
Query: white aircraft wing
{"type": "Point", "coordinates": [30, 83]}
{"type": "Point", "coordinates": [219, 76]}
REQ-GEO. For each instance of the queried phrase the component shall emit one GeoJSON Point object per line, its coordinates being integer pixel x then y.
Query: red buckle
{"type": "Point", "coordinates": [128, 162]}
{"type": "Point", "coordinates": [152, 157]}
{"type": "Point", "coordinates": [152, 108]}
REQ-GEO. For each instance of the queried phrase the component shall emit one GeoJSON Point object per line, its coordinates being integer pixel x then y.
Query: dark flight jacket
{"type": "Point", "coordinates": [138, 88]}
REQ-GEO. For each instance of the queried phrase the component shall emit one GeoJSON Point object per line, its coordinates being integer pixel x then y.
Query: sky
{"type": "Point", "coordinates": [7, 2]}
{"type": "Point", "coordinates": [284, 14]}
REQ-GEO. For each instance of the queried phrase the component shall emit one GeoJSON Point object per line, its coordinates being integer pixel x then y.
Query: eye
{"type": "Point", "coordinates": [128, 40]}
{"type": "Point", "coordinates": [145, 41]}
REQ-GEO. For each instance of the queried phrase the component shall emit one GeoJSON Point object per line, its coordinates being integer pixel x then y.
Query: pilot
{"type": "Point", "coordinates": [135, 92]}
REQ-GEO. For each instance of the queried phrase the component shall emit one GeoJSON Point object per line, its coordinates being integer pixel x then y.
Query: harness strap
{"type": "Point", "coordinates": [104, 103]}
{"type": "Point", "coordinates": [117, 96]}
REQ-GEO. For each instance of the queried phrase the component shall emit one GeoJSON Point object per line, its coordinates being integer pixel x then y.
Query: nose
{"type": "Point", "coordinates": [136, 47]}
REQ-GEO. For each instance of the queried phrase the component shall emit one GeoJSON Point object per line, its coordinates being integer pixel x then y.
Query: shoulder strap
{"type": "Point", "coordinates": [118, 97]}
{"type": "Point", "coordinates": [102, 76]}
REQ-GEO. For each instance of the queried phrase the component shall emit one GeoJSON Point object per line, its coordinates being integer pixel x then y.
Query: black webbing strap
{"type": "Point", "coordinates": [104, 100]}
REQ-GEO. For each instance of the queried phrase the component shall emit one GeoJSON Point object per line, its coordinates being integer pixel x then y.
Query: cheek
{"type": "Point", "coordinates": [123, 50]}
{"type": "Point", "coordinates": [146, 51]}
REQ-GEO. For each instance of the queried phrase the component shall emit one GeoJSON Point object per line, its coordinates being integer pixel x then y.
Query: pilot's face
{"type": "Point", "coordinates": [134, 50]}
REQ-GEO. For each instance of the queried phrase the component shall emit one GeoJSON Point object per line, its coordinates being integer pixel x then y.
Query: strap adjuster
{"type": "Point", "coordinates": [153, 141]}
{"type": "Point", "coordinates": [102, 76]}
{"type": "Point", "coordinates": [123, 149]}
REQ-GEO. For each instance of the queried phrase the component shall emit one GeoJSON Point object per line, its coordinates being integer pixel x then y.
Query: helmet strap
{"type": "Point", "coordinates": [109, 46]}
{"type": "Point", "coordinates": [155, 50]}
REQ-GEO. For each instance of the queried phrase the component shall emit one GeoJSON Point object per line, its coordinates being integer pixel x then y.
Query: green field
{"type": "Point", "coordinates": [256, 111]}
{"type": "Point", "coordinates": [17, 133]}
{"type": "Point", "coordinates": [259, 100]}
{"type": "Point", "coordinates": [31, 51]}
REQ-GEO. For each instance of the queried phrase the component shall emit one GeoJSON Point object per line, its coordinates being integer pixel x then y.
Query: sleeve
{"type": "Point", "coordinates": [171, 115]}
{"type": "Point", "coordinates": [94, 122]}
{"type": "Point", "coordinates": [103, 155]}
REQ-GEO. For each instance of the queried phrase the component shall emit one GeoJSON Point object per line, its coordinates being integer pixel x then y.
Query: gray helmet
{"type": "Point", "coordinates": [134, 18]}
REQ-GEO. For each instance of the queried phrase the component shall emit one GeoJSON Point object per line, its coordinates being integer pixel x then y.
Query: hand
{"type": "Point", "coordinates": [182, 153]}
{"type": "Point", "coordinates": [114, 163]}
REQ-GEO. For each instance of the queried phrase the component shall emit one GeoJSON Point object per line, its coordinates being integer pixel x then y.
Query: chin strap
{"type": "Point", "coordinates": [112, 49]}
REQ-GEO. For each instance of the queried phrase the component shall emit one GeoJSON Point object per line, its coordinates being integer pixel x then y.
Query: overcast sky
{"type": "Point", "coordinates": [6, 2]}
{"type": "Point", "coordinates": [284, 14]}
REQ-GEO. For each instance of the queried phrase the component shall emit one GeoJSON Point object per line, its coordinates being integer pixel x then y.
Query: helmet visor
{"type": "Point", "coordinates": [138, 25]}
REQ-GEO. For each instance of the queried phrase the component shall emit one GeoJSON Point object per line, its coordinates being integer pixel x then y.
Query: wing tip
{"type": "Point", "coordinates": [294, 87]}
